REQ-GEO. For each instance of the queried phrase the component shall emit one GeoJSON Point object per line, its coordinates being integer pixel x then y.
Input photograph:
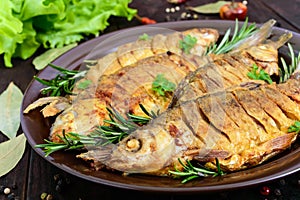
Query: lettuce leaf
{"type": "Point", "coordinates": [29, 24]}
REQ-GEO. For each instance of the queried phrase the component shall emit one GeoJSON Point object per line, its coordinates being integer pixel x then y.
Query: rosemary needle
{"type": "Point", "coordinates": [116, 128]}
{"type": "Point", "coordinates": [191, 172]}
{"type": "Point", "coordinates": [228, 44]}
{"type": "Point", "coordinates": [63, 83]}
{"type": "Point", "coordinates": [287, 70]}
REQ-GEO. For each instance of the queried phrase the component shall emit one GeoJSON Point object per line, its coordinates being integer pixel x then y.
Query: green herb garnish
{"type": "Point", "coordinates": [68, 141]}
{"type": "Point", "coordinates": [161, 85]}
{"type": "Point", "coordinates": [116, 129]}
{"type": "Point", "coordinates": [259, 75]}
{"type": "Point", "coordinates": [187, 43]}
{"type": "Point", "coordinates": [287, 70]}
{"type": "Point", "coordinates": [84, 84]}
{"type": "Point", "coordinates": [228, 44]}
{"type": "Point", "coordinates": [145, 36]}
{"type": "Point", "coordinates": [191, 172]}
{"type": "Point", "coordinates": [295, 127]}
{"type": "Point", "coordinates": [63, 83]}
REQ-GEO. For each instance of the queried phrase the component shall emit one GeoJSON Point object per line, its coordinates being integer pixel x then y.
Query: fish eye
{"type": "Point", "coordinates": [133, 145]}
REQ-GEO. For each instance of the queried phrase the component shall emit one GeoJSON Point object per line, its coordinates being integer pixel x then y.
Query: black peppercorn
{"type": "Point", "coordinates": [11, 196]}
{"type": "Point", "coordinates": [58, 188]}
{"type": "Point", "coordinates": [277, 192]}
{"type": "Point", "coordinates": [2, 189]}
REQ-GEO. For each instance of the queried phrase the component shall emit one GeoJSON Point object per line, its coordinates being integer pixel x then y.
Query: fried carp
{"type": "Point", "coordinates": [242, 126]}
{"type": "Point", "coordinates": [124, 86]}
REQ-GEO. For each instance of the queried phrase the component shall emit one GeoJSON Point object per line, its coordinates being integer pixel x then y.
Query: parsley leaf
{"type": "Point", "coordinates": [145, 36]}
{"type": "Point", "coordinates": [84, 84]}
{"type": "Point", "coordinates": [259, 75]}
{"type": "Point", "coordinates": [162, 85]}
{"type": "Point", "coordinates": [187, 43]}
{"type": "Point", "coordinates": [295, 127]}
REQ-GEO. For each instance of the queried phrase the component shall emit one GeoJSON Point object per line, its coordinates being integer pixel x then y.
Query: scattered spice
{"type": "Point", "coordinates": [44, 195]}
{"type": "Point", "coordinates": [176, 1]}
{"type": "Point", "coordinates": [11, 196]}
{"type": "Point", "coordinates": [277, 192]}
{"type": "Point", "coordinates": [265, 190]}
{"type": "Point", "coordinates": [49, 197]}
{"type": "Point", "coordinates": [6, 190]}
{"type": "Point", "coordinates": [145, 20]}
{"type": "Point", "coordinates": [2, 189]}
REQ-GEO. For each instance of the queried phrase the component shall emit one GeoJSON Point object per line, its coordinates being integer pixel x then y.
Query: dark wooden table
{"type": "Point", "coordinates": [33, 175]}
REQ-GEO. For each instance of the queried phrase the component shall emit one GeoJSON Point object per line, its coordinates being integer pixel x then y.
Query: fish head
{"type": "Point", "coordinates": [143, 151]}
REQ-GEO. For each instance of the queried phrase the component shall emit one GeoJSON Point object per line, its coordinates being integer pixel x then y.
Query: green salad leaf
{"type": "Point", "coordinates": [28, 24]}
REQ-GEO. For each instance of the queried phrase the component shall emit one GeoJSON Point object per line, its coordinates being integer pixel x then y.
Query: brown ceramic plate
{"type": "Point", "coordinates": [36, 128]}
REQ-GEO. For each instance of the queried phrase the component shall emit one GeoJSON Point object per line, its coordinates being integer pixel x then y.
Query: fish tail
{"type": "Point", "coordinates": [258, 37]}
{"type": "Point", "coordinates": [282, 40]}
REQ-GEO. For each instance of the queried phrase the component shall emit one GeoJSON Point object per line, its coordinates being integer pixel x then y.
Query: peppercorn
{"type": "Point", "coordinates": [49, 197]}
{"type": "Point", "coordinates": [265, 191]}
{"type": "Point", "coordinates": [44, 195]}
{"type": "Point", "coordinates": [282, 182]}
{"type": "Point", "coordinates": [6, 190]}
{"type": "Point", "coordinates": [11, 196]}
{"type": "Point", "coordinates": [58, 188]}
{"type": "Point", "coordinates": [277, 192]}
{"type": "Point", "coordinates": [56, 177]}
{"type": "Point", "coordinates": [2, 189]}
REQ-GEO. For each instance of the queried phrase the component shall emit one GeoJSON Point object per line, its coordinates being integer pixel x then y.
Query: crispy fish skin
{"type": "Point", "coordinates": [229, 69]}
{"type": "Point", "coordinates": [124, 91]}
{"type": "Point", "coordinates": [130, 86]}
{"type": "Point", "coordinates": [130, 53]}
{"type": "Point", "coordinates": [228, 125]}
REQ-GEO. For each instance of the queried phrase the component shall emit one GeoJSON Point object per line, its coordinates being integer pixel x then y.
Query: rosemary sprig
{"type": "Point", "coordinates": [116, 129]}
{"type": "Point", "coordinates": [69, 141]}
{"type": "Point", "coordinates": [287, 70]}
{"type": "Point", "coordinates": [63, 83]}
{"type": "Point", "coordinates": [228, 44]}
{"type": "Point", "coordinates": [191, 172]}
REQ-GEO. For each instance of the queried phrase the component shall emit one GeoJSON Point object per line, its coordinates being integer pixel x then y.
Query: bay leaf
{"type": "Point", "coordinates": [10, 105]}
{"type": "Point", "coordinates": [209, 8]}
{"type": "Point", "coordinates": [41, 61]}
{"type": "Point", "coordinates": [11, 153]}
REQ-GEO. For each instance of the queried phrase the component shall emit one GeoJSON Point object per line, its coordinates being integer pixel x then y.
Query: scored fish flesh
{"type": "Point", "coordinates": [241, 126]}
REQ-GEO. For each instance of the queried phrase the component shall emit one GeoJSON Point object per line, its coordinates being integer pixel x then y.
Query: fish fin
{"type": "Point", "coordinates": [63, 102]}
{"type": "Point", "coordinates": [258, 37]}
{"type": "Point", "coordinates": [282, 40]}
{"type": "Point", "coordinates": [97, 155]}
{"type": "Point", "coordinates": [280, 143]}
{"type": "Point", "coordinates": [209, 155]}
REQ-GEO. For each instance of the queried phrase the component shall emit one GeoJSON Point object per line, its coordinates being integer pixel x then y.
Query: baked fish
{"type": "Point", "coordinates": [242, 126]}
